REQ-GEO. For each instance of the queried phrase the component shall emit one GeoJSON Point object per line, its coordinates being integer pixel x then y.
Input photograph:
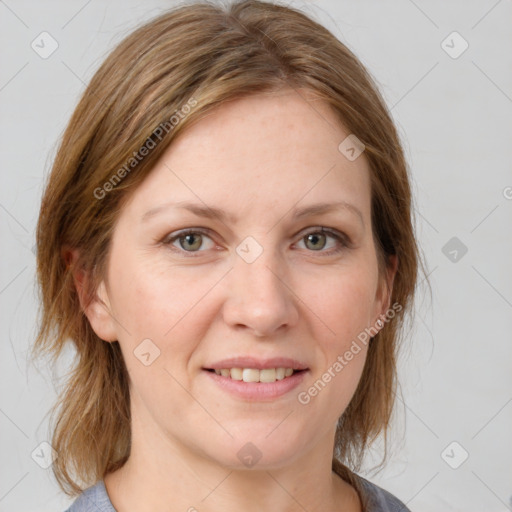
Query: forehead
{"type": "Point", "coordinates": [259, 154]}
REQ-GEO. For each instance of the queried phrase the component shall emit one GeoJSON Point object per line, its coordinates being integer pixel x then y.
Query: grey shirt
{"type": "Point", "coordinates": [95, 499]}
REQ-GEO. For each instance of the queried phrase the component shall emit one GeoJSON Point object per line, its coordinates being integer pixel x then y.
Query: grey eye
{"type": "Point", "coordinates": [317, 240]}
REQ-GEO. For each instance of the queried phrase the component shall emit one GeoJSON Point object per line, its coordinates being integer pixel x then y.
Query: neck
{"type": "Point", "coordinates": [164, 474]}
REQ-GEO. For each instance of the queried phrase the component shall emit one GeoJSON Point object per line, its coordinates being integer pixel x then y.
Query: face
{"type": "Point", "coordinates": [260, 286]}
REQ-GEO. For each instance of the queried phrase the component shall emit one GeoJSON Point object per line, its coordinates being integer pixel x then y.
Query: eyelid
{"type": "Point", "coordinates": [175, 235]}
{"type": "Point", "coordinates": [340, 236]}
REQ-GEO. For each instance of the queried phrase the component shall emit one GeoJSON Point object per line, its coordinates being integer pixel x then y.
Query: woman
{"type": "Point", "coordinates": [226, 238]}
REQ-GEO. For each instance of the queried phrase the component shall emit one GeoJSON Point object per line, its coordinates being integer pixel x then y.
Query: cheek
{"type": "Point", "coordinates": [348, 306]}
{"type": "Point", "coordinates": [154, 300]}
{"type": "Point", "coordinates": [344, 303]}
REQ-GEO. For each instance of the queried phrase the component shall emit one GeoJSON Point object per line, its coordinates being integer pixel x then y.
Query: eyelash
{"type": "Point", "coordinates": [340, 237]}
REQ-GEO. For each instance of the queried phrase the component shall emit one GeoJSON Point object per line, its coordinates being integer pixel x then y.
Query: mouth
{"type": "Point", "coordinates": [257, 379]}
{"type": "Point", "coordinates": [266, 375]}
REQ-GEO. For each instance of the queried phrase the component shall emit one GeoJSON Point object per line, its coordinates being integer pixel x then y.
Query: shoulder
{"type": "Point", "coordinates": [378, 499]}
{"type": "Point", "coordinates": [93, 499]}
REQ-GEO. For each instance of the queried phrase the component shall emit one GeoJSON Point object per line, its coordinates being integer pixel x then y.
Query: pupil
{"type": "Point", "coordinates": [190, 238]}
{"type": "Point", "coordinates": [314, 238]}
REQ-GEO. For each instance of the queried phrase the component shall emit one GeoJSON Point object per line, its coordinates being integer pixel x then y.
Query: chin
{"type": "Point", "coordinates": [256, 452]}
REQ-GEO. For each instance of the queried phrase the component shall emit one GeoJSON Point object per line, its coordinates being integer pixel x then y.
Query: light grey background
{"type": "Point", "coordinates": [455, 117]}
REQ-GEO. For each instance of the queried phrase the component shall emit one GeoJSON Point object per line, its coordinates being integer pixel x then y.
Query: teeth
{"type": "Point", "coordinates": [268, 375]}
{"type": "Point", "coordinates": [254, 375]}
{"type": "Point", "coordinates": [250, 375]}
{"type": "Point", "coordinates": [236, 373]}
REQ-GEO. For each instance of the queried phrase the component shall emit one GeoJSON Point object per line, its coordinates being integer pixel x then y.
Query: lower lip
{"type": "Point", "coordinates": [258, 390]}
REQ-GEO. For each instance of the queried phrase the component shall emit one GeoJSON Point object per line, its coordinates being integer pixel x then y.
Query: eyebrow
{"type": "Point", "coordinates": [211, 212]}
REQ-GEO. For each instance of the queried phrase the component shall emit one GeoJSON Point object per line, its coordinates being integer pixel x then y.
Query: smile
{"type": "Point", "coordinates": [255, 375]}
{"type": "Point", "coordinates": [256, 385]}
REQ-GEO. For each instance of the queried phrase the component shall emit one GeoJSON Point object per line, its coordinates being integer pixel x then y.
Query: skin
{"type": "Point", "coordinates": [258, 158]}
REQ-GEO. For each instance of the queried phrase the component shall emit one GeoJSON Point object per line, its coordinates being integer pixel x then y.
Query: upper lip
{"type": "Point", "coordinates": [259, 364]}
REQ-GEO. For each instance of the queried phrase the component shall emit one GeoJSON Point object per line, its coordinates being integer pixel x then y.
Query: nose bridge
{"type": "Point", "coordinates": [258, 295]}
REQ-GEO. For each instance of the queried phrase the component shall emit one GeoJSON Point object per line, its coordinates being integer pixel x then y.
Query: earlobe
{"type": "Point", "coordinates": [386, 290]}
{"type": "Point", "coordinates": [99, 315]}
{"type": "Point", "coordinates": [391, 273]}
{"type": "Point", "coordinates": [94, 304]}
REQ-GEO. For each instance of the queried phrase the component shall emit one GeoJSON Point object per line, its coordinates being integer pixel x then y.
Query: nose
{"type": "Point", "coordinates": [259, 298]}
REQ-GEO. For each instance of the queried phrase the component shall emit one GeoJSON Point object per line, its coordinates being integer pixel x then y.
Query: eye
{"type": "Point", "coordinates": [316, 240]}
{"type": "Point", "coordinates": [189, 240]}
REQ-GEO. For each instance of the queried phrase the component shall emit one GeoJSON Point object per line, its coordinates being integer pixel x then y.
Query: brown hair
{"type": "Point", "coordinates": [199, 54]}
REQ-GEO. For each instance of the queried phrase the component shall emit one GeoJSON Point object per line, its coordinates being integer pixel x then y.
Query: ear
{"type": "Point", "coordinates": [384, 291]}
{"type": "Point", "coordinates": [96, 304]}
